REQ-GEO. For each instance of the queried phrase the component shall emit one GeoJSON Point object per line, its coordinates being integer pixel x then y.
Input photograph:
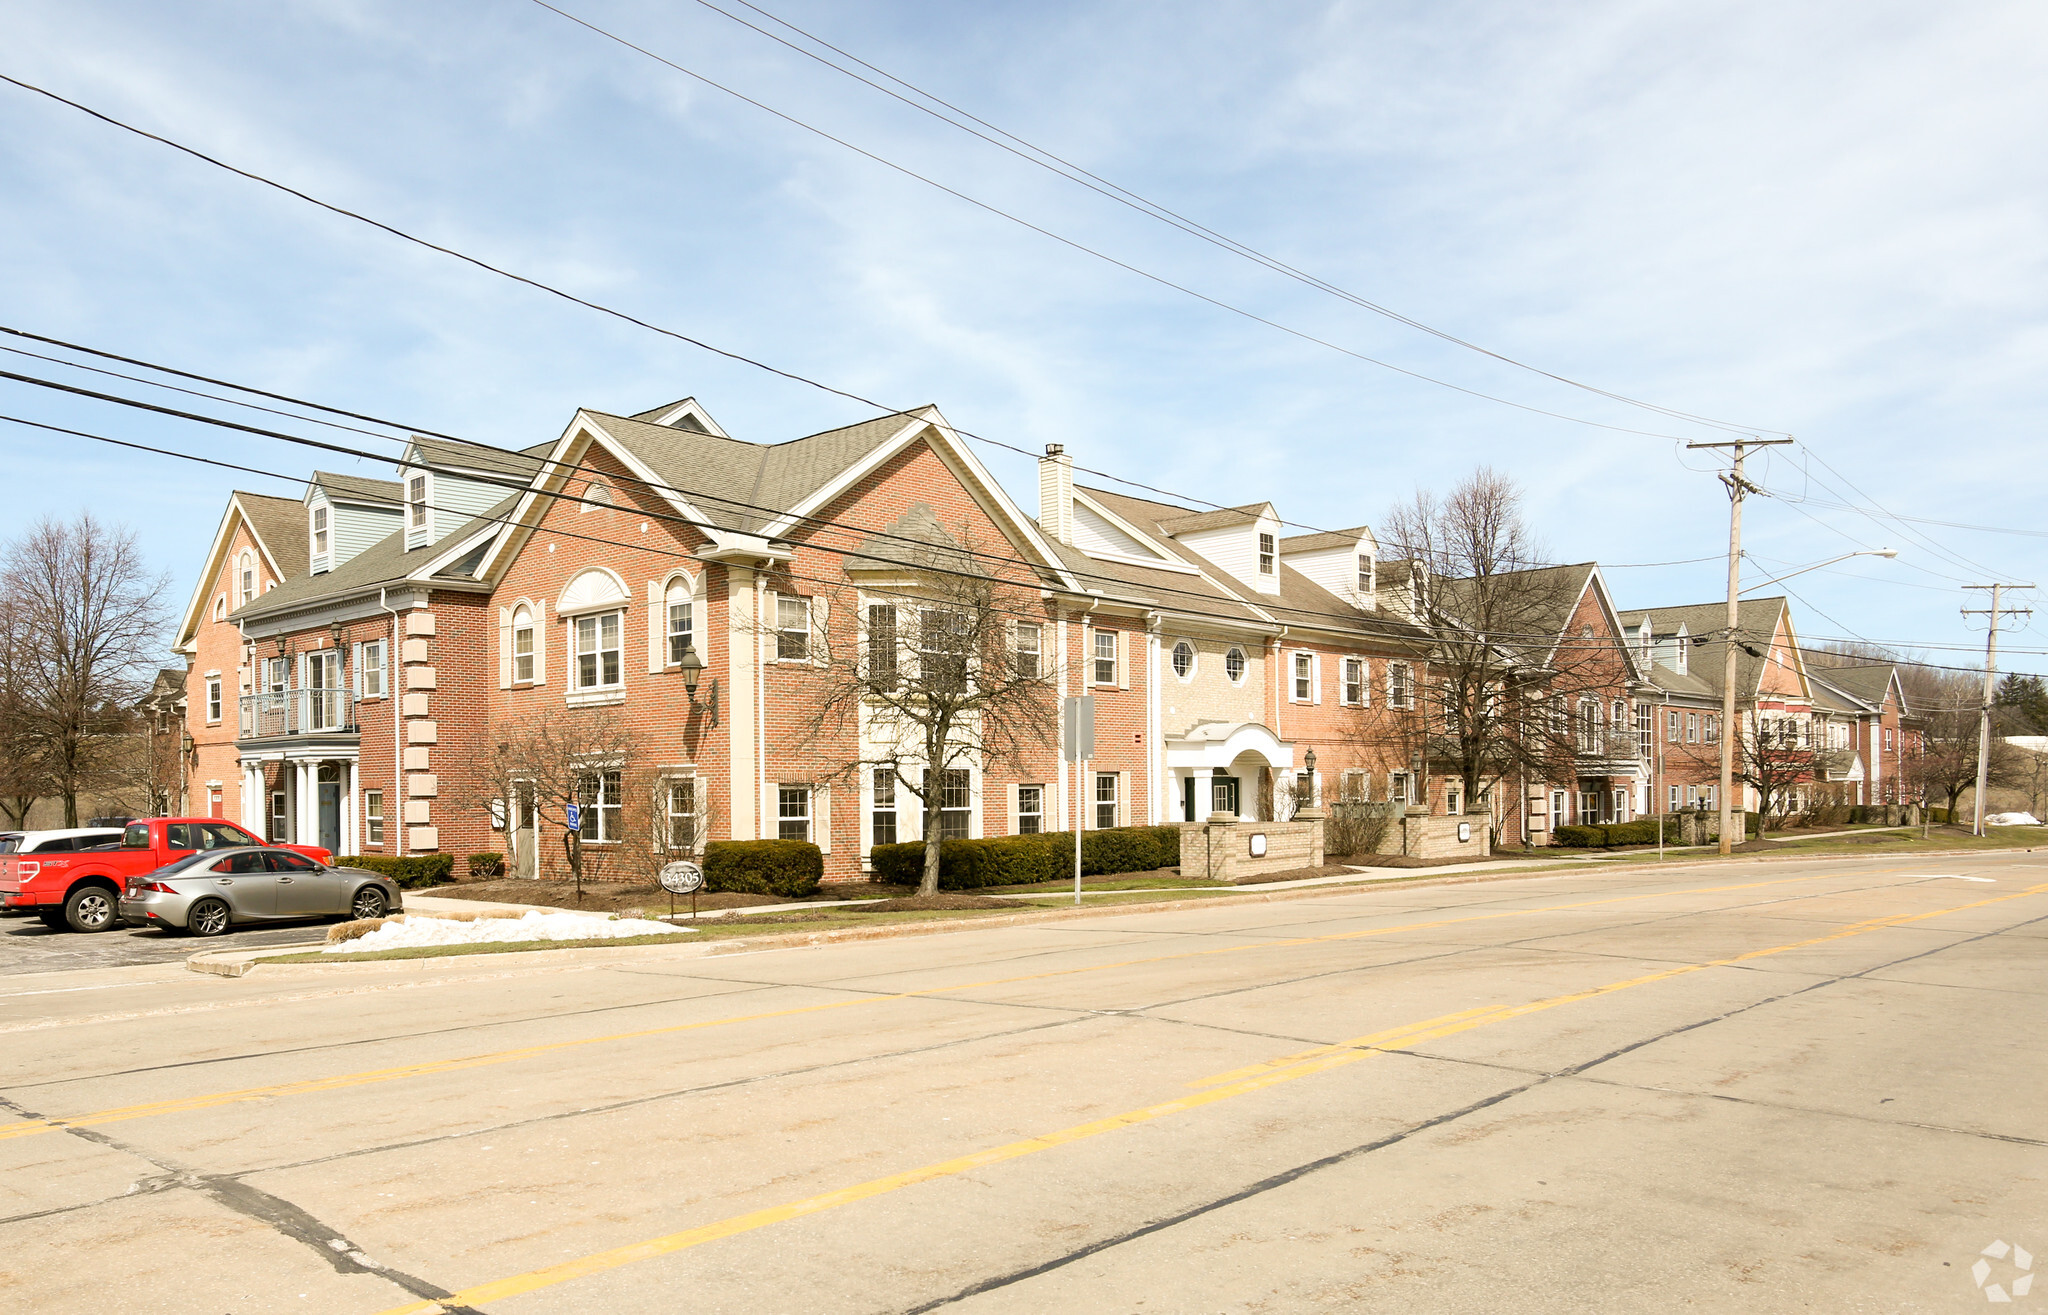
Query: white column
{"type": "Point", "coordinates": [252, 797]}
{"type": "Point", "coordinates": [352, 809]}
{"type": "Point", "coordinates": [306, 803]}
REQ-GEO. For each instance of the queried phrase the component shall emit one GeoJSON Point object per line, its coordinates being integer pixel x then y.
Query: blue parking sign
{"type": "Point", "coordinates": [575, 818]}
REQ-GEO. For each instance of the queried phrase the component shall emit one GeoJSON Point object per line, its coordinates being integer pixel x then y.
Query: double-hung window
{"type": "Point", "coordinates": [882, 816]}
{"type": "Point", "coordinates": [1674, 804]}
{"type": "Point", "coordinates": [416, 501]}
{"type": "Point", "coordinates": [600, 798]}
{"type": "Point", "coordinates": [1713, 733]}
{"type": "Point", "coordinates": [1266, 554]}
{"type": "Point", "coordinates": [1397, 787]}
{"type": "Point", "coordinates": [245, 577]}
{"type": "Point", "coordinates": [681, 623]}
{"type": "Point", "coordinates": [1030, 809]}
{"type": "Point", "coordinates": [1365, 574]}
{"type": "Point", "coordinates": [1105, 657]}
{"type": "Point", "coordinates": [1030, 652]}
{"type": "Point", "coordinates": [1304, 678]}
{"type": "Point", "coordinates": [522, 647]}
{"type": "Point", "coordinates": [1671, 727]}
{"type": "Point", "coordinates": [956, 805]}
{"type": "Point", "coordinates": [679, 801]}
{"type": "Point", "coordinates": [882, 657]}
{"type": "Point", "coordinates": [373, 817]}
{"type": "Point", "coordinates": [1105, 800]}
{"type": "Point", "coordinates": [370, 670]}
{"type": "Point", "coordinates": [1397, 685]}
{"type": "Point", "coordinates": [319, 532]}
{"type": "Point", "coordinates": [213, 709]}
{"type": "Point", "coordinates": [1692, 728]}
{"type": "Point", "coordinates": [793, 812]}
{"type": "Point", "coordinates": [1354, 682]}
{"type": "Point", "coordinates": [280, 819]}
{"type": "Point", "coordinates": [942, 644]}
{"type": "Point", "coordinates": [597, 651]}
{"type": "Point", "coordinates": [792, 627]}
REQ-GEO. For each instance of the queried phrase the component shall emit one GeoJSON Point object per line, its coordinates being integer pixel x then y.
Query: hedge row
{"type": "Point", "coordinates": [1613, 833]}
{"type": "Point", "coordinates": [789, 868]}
{"type": "Point", "coordinates": [409, 873]}
{"type": "Point", "coordinates": [1024, 860]}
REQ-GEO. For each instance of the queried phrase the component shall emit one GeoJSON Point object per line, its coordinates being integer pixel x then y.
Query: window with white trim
{"type": "Point", "coordinates": [1365, 574]}
{"type": "Point", "coordinates": [213, 709]}
{"type": "Point", "coordinates": [1354, 682]}
{"type": "Point", "coordinates": [596, 494]}
{"type": "Point", "coordinates": [1354, 786]}
{"type": "Point", "coordinates": [280, 819]}
{"type": "Point", "coordinates": [1673, 801]}
{"type": "Point", "coordinates": [597, 651]}
{"type": "Point", "coordinates": [1030, 810]}
{"type": "Point", "coordinates": [600, 801]}
{"type": "Point", "coordinates": [1105, 657]}
{"type": "Point", "coordinates": [1233, 665]}
{"type": "Point", "coordinates": [373, 817]}
{"type": "Point", "coordinates": [793, 812]}
{"type": "Point", "coordinates": [416, 502]}
{"type": "Point", "coordinates": [1692, 728]}
{"type": "Point", "coordinates": [522, 646]}
{"type": "Point", "coordinates": [1304, 677]}
{"type": "Point", "coordinates": [319, 532]}
{"type": "Point", "coordinates": [681, 622]}
{"type": "Point", "coordinates": [679, 813]}
{"type": "Point", "coordinates": [1645, 733]}
{"type": "Point", "coordinates": [245, 576]}
{"type": "Point", "coordinates": [1266, 554]}
{"type": "Point", "coordinates": [370, 671]}
{"type": "Point", "coordinates": [956, 802]}
{"type": "Point", "coordinates": [882, 656]}
{"type": "Point", "coordinates": [1671, 727]}
{"type": "Point", "coordinates": [882, 813]}
{"type": "Point", "coordinates": [1398, 787]}
{"type": "Point", "coordinates": [942, 649]}
{"type": "Point", "coordinates": [1030, 651]}
{"type": "Point", "coordinates": [792, 627]}
{"type": "Point", "coordinates": [1105, 800]}
{"type": "Point", "coordinates": [220, 607]}
{"type": "Point", "coordinates": [1399, 689]}
{"type": "Point", "coordinates": [1183, 659]}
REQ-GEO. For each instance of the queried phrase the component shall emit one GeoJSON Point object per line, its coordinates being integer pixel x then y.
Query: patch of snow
{"type": "Point", "coordinates": [417, 931]}
{"type": "Point", "coordinates": [2012, 819]}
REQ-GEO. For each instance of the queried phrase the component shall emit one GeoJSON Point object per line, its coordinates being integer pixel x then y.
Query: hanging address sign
{"type": "Point", "coordinates": [681, 878]}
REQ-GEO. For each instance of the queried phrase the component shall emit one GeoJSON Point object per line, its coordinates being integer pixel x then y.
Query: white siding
{"type": "Point", "coordinates": [1235, 549]}
{"type": "Point", "coordinates": [1336, 569]}
{"type": "Point", "coordinates": [1095, 535]}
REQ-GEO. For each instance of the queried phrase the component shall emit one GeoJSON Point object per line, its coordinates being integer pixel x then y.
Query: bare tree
{"type": "Point", "coordinates": [540, 765]}
{"type": "Point", "coordinates": [1510, 690]}
{"type": "Point", "coordinates": [1946, 762]}
{"type": "Point", "coordinates": [1775, 756]}
{"type": "Point", "coordinates": [937, 682]}
{"type": "Point", "coordinates": [24, 778]}
{"type": "Point", "coordinates": [91, 620]}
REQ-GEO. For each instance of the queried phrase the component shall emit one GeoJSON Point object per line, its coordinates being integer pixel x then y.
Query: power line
{"type": "Point", "coordinates": [1067, 169]}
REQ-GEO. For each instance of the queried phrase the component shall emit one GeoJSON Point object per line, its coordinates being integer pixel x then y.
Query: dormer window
{"type": "Point", "coordinates": [1266, 553]}
{"type": "Point", "coordinates": [1365, 574]}
{"type": "Point", "coordinates": [1684, 643]}
{"type": "Point", "coordinates": [416, 502]}
{"type": "Point", "coordinates": [319, 532]}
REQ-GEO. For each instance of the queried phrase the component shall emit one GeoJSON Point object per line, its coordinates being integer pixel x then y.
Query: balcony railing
{"type": "Point", "coordinates": [1610, 746]}
{"type": "Point", "coordinates": [298, 712]}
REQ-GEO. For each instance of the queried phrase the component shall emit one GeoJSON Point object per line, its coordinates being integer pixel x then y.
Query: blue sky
{"type": "Point", "coordinates": [1826, 219]}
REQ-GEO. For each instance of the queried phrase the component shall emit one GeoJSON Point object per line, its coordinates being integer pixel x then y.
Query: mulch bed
{"type": "Point", "coordinates": [618, 897]}
{"type": "Point", "coordinates": [1327, 870]}
{"type": "Point", "coordinates": [1388, 861]}
{"type": "Point", "coordinates": [945, 899]}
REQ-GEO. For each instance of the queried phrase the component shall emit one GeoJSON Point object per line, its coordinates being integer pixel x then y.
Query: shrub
{"type": "Point", "coordinates": [1580, 837]}
{"type": "Point", "coordinates": [486, 865]}
{"type": "Point", "coordinates": [1025, 860]}
{"type": "Point", "coordinates": [790, 868]}
{"type": "Point", "coordinates": [410, 873]}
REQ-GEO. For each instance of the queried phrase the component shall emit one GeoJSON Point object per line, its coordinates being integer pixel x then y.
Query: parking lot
{"type": "Point", "coordinates": [27, 946]}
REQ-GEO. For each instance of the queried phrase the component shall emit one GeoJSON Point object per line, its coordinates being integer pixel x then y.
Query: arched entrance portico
{"type": "Point", "coordinates": [1220, 766]}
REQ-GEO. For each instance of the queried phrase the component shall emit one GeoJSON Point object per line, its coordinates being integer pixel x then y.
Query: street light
{"type": "Point", "coordinates": [1862, 552]}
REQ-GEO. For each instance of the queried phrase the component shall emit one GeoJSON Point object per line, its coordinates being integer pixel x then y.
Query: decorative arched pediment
{"type": "Point", "coordinates": [596, 589]}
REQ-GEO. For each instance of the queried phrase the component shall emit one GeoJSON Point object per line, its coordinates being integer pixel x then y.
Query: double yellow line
{"type": "Point", "coordinates": [1209, 1091]}
{"type": "Point", "coordinates": [368, 1077]}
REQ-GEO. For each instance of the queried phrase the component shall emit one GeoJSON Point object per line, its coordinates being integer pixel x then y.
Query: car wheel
{"type": "Point", "coordinates": [369, 903]}
{"type": "Point", "coordinates": [209, 917]}
{"type": "Point", "coordinates": [90, 908]}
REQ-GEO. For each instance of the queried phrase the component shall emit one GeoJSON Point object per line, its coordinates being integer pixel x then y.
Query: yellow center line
{"type": "Point", "coordinates": [1237, 1083]}
{"type": "Point", "coordinates": [214, 1100]}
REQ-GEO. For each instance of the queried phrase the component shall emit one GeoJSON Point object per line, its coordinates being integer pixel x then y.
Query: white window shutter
{"type": "Point", "coordinates": [821, 613]}
{"type": "Point", "coordinates": [540, 642]}
{"type": "Point", "coordinates": [1364, 683]}
{"type": "Point", "coordinates": [1315, 677]}
{"type": "Point", "coordinates": [504, 648]}
{"type": "Point", "coordinates": [1123, 658]}
{"type": "Point", "coordinates": [821, 817]}
{"type": "Point", "coordinates": [657, 627]}
{"type": "Point", "coordinates": [355, 667]}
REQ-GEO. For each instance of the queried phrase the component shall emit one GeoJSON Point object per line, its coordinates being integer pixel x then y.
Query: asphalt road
{"type": "Point", "coordinates": [1746, 1087]}
{"type": "Point", "coordinates": [27, 946]}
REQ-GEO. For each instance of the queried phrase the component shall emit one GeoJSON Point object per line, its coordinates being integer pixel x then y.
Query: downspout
{"type": "Point", "coordinates": [398, 728]}
{"type": "Point", "coordinates": [1155, 748]}
{"type": "Point", "coordinates": [761, 702]}
{"type": "Point", "coordinates": [1277, 662]}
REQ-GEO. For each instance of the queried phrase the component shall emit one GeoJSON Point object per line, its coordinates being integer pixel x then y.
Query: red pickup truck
{"type": "Point", "coordinates": [81, 890]}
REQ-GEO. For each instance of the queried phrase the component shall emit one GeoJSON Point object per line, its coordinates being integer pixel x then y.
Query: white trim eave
{"type": "Point", "coordinates": [732, 548]}
{"type": "Point", "coordinates": [424, 575]}
{"type": "Point", "coordinates": [692, 407]}
{"type": "Point", "coordinates": [216, 558]}
{"type": "Point", "coordinates": [1207, 748]}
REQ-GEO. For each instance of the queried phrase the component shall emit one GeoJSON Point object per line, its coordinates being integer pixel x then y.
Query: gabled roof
{"type": "Point", "coordinates": [1866, 682]}
{"type": "Point", "coordinates": [492, 463]}
{"type": "Point", "coordinates": [1324, 539]}
{"type": "Point", "coordinates": [1193, 522]}
{"type": "Point", "coordinates": [357, 488]}
{"type": "Point", "coordinates": [386, 562]}
{"type": "Point", "coordinates": [279, 527]}
{"type": "Point", "coordinates": [1758, 621]}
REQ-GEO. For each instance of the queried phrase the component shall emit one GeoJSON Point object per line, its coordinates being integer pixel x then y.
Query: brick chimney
{"type": "Point", "coordinates": [1056, 494]}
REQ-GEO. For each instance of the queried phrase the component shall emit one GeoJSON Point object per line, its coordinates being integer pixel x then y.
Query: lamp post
{"type": "Point", "coordinates": [693, 670]}
{"type": "Point", "coordinates": [1862, 552]}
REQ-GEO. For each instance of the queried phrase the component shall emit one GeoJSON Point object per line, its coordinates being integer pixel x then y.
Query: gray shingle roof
{"type": "Point", "coordinates": [1867, 682]}
{"type": "Point", "coordinates": [1184, 521]}
{"type": "Point", "coordinates": [358, 488]}
{"type": "Point", "coordinates": [281, 524]}
{"type": "Point", "coordinates": [1756, 618]}
{"type": "Point", "coordinates": [1323, 539]}
{"type": "Point", "coordinates": [382, 563]}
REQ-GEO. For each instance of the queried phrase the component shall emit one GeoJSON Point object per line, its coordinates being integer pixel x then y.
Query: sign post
{"type": "Point", "coordinates": [1077, 746]}
{"type": "Point", "coordinates": [682, 878]}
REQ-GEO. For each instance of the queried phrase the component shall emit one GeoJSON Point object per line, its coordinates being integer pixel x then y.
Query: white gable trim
{"type": "Point", "coordinates": [1163, 561]}
{"type": "Point", "coordinates": [689, 406]}
{"type": "Point", "coordinates": [216, 561]}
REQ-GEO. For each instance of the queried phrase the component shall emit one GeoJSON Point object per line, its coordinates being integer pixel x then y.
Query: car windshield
{"type": "Point", "coordinates": [136, 836]}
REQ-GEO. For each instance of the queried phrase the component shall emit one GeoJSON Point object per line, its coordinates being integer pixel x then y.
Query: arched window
{"type": "Point", "coordinates": [245, 577]}
{"type": "Point", "coordinates": [220, 608]}
{"type": "Point", "coordinates": [596, 493]}
{"type": "Point", "coordinates": [522, 645]}
{"type": "Point", "coordinates": [681, 621]}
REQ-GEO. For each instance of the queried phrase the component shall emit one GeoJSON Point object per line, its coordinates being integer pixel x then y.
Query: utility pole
{"type": "Point", "coordinates": [1990, 676]}
{"type": "Point", "coordinates": [1738, 488]}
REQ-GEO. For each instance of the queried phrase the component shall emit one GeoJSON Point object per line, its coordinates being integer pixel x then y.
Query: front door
{"type": "Point", "coordinates": [330, 808]}
{"type": "Point", "coordinates": [525, 832]}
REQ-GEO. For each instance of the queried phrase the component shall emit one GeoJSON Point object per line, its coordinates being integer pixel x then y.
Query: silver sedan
{"type": "Point", "coordinates": [208, 892]}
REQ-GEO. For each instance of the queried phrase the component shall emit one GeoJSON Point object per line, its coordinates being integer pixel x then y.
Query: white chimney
{"type": "Point", "coordinates": [1056, 494]}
